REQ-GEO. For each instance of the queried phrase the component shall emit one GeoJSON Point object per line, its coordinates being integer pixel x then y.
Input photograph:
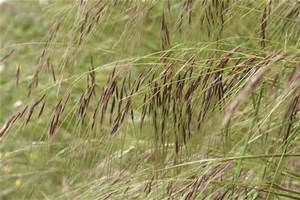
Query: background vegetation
{"type": "Point", "coordinates": [150, 99]}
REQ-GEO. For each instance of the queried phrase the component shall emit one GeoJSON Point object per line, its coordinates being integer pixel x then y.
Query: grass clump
{"type": "Point", "coordinates": [150, 100]}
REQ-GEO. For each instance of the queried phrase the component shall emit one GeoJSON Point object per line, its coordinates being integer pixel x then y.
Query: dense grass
{"type": "Point", "coordinates": [150, 99]}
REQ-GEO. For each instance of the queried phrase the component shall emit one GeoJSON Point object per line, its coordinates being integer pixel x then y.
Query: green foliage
{"type": "Point", "coordinates": [150, 99]}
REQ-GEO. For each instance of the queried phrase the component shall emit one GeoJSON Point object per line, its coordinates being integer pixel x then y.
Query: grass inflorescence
{"type": "Point", "coordinates": [150, 100]}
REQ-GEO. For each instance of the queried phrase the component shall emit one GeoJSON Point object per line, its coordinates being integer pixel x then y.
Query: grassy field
{"type": "Point", "coordinates": [149, 99]}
